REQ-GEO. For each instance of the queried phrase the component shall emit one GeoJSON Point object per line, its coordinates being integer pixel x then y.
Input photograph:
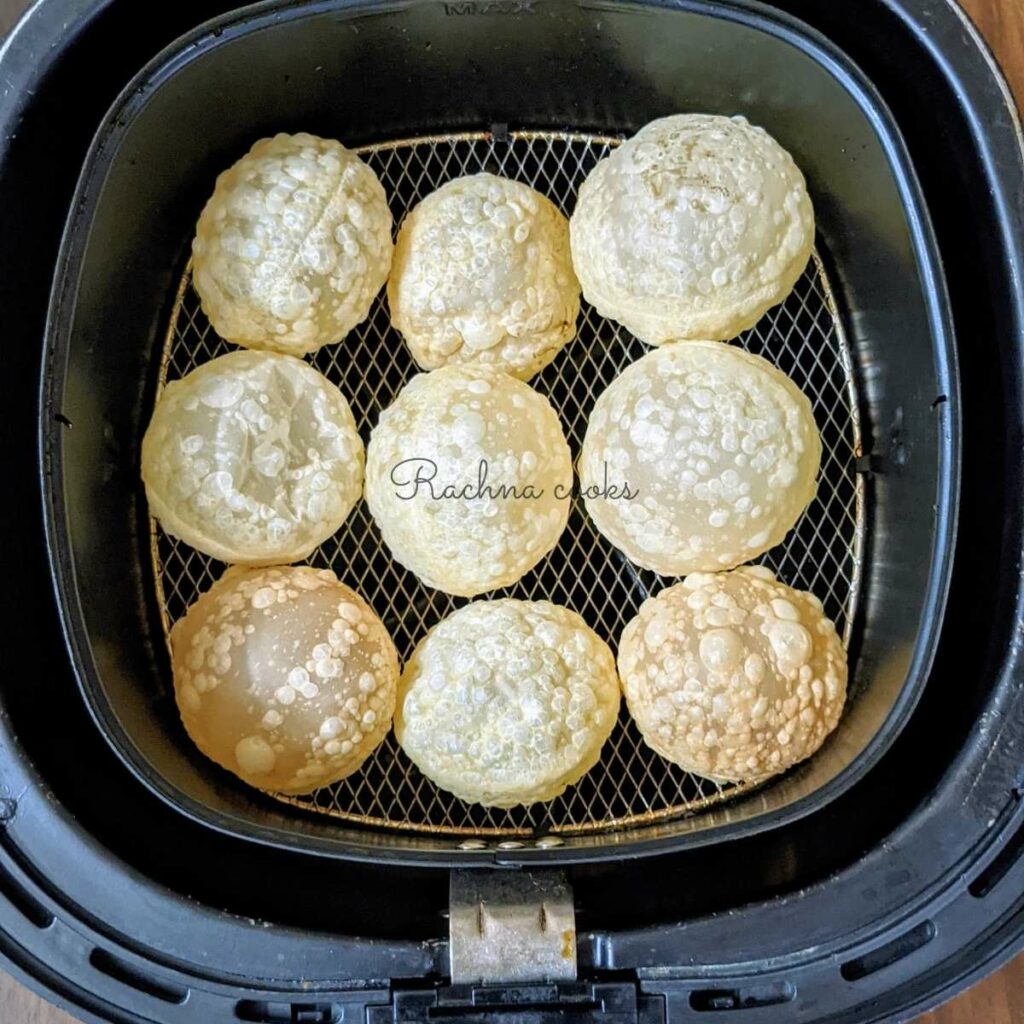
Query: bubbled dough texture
{"type": "Point", "coordinates": [482, 274]}
{"type": "Point", "coordinates": [721, 446]}
{"type": "Point", "coordinates": [252, 457]}
{"type": "Point", "coordinates": [293, 245]}
{"type": "Point", "coordinates": [284, 676]}
{"type": "Point", "coordinates": [734, 675]}
{"type": "Point", "coordinates": [693, 228]}
{"type": "Point", "coordinates": [507, 702]}
{"type": "Point", "coordinates": [458, 416]}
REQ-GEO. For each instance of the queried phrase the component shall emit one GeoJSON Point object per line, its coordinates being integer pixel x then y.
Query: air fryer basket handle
{"type": "Point", "coordinates": [567, 1003]}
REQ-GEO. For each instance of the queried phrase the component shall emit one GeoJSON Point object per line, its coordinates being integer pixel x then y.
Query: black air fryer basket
{"type": "Point", "coordinates": [876, 545]}
{"type": "Point", "coordinates": [140, 883]}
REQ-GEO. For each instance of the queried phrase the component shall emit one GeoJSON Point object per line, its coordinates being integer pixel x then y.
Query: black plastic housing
{"type": "Point", "coordinates": [893, 897]}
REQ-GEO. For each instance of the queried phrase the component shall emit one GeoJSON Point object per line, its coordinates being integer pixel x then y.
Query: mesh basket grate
{"type": "Point", "coordinates": [631, 784]}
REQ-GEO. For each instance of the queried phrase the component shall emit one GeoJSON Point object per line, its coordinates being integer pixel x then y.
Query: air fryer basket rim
{"type": "Point", "coordinates": [36, 960]}
{"type": "Point", "coordinates": [218, 31]}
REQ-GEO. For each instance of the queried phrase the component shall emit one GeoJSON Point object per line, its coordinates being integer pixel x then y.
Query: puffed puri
{"type": "Point", "coordinates": [252, 458]}
{"type": "Point", "coordinates": [692, 229]}
{"type": "Point", "coordinates": [507, 703]}
{"type": "Point", "coordinates": [733, 676]}
{"type": "Point", "coordinates": [293, 246]}
{"type": "Point", "coordinates": [482, 274]}
{"type": "Point", "coordinates": [719, 450]}
{"type": "Point", "coordinates": [469, 478]}
{"type": "Point", "coordinates": [284, 676]}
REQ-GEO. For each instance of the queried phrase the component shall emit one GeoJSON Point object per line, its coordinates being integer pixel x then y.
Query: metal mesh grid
{"type": "Point", "coordinates": [631, 784]}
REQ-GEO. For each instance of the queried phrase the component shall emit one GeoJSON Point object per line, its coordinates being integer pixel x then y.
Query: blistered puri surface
{"type": "Point", "coordinates": [293, 245]}
{"type": "Point", "coordinates": [252, 457]}
{"type": "Point", "coordinates": [284, 676]}
{"type": "Point", "coordinates": [721, 452]}
{"type": "Point", "coordinates": [484, 434]}
{"type": "Point", "coordinates": [692, 229]}
{"type": "Point", "coordinates": [482, 274]}
{"type": "Point", "coordinates": [508, 702]}
{"type": "Point", "coordinates": [733, 674]}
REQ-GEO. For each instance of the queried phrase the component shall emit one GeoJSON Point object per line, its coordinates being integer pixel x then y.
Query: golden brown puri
{"type": "Point", "coordinates": [733, 675]}
{"type": "Point", "coordinates": [284, 676]}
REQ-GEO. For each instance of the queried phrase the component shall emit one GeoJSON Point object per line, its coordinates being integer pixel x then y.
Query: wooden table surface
{"type": "Point", "coordinates": [997, 1000]}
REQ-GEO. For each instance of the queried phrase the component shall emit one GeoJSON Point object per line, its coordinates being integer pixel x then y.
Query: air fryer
{"type": "Point", "coordinates": [140, 884]}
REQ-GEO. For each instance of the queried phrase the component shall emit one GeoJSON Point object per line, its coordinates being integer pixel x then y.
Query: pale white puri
{"type": "Point", "coordinates": [507, 702]}
{"type": "Point", "coordinates": [469, 478]}
{"type": "Point", "coordinates": [293, 245]}
{"type": "Point", "coordinates": [733, 675]}
{"type": "Point", "coordinates": [720, 451]}
{"type": "Point", "coordinates": [284, 676]}
{"type": "Point", "coordinates": [252, 458]}
{"type": "Point", "coordinates": [693, 228]}
{"type": "Point", "coordinates": [482, 274]}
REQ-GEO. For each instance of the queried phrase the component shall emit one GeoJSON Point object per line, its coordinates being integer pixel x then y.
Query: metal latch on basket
{"type": "Point", "coordinates": [511, 926]}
